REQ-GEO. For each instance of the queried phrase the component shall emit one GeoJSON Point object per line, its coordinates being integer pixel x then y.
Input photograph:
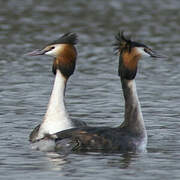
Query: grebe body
{"type": "Point", "coordinates": [57, 118]}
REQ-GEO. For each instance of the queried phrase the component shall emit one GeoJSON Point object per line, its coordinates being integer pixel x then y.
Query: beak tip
{"type": "Point", "coordinates": [35, 53]}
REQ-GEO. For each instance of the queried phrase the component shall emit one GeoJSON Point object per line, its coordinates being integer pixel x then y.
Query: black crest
{"type": "Point", "coordinates": [68, 38]}
{"type": "Point", "coordinates": [125, 43]}
{"type": "Point", "coordinates": [122, 42]}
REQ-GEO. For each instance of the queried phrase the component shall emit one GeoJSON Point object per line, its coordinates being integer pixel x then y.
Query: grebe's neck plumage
{"type": "Point", "coordinates": [133, 118]}
{"type": "Point", "coordinates": [56, 118]}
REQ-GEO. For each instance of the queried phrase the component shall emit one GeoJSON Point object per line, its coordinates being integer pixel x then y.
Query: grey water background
{"type": "Point", "coordinates": [94, 92]}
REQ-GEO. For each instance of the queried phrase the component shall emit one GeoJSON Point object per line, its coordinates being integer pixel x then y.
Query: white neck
{"type": "Point", "coordinates": [56, 118]}
{"type": "Point", "coordinates": [133, 119]}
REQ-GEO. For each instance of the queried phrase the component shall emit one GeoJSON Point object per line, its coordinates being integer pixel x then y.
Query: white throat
{"type": "Point", "coordinates": [142, 52]}
{"type": "Point", "coordinates": [134, 101]}
{"type": "Point", "coordinates": [133, 114]}
{"type": "Point", "coordinates": [56, 118]}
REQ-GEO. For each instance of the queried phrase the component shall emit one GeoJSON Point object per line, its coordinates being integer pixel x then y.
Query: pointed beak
{"type": "Point", "coordinates": [36, 52]}
{"type": "Point", "coordinates": [154, 54]}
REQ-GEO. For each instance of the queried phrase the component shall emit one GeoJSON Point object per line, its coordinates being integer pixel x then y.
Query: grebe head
{"type": "Point", "coordinates": [64, 52]}
{"type": "Point", "coordinates": [130, 52]}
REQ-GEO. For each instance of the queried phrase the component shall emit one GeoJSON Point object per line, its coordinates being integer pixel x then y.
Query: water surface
{"type": "Point", "coordinates": [94, 92]}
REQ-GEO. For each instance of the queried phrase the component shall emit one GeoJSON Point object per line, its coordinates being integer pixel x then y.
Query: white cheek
{"type": "Point", "coordinates": [142, 52]}
{"type": "Point", "coordinates": [54, 52]}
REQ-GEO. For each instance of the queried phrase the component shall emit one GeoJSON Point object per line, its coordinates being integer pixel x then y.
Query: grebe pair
{"type": "Point", "coordinates": [131, 135]}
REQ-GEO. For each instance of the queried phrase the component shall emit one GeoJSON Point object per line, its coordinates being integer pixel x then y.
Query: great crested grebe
{"type": "Point", "coordinates": [56, 118]}
{"type": "Point", "coordinates": [131, 135]}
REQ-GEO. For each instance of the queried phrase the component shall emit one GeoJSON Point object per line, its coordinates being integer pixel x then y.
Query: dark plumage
{"type": "Point", "coordinates": [104, 139]}
{"type": "Point", "coordinates": [68, 38]}
{"type": "Point", "coordinates": [123, 43]}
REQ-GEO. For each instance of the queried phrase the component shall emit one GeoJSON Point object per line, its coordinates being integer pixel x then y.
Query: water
{"type": "Point", "coordinates": [94, 93]}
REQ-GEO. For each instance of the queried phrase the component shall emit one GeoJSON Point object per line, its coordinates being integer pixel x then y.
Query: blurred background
{"type": "Point", "coordinates": [94, 91]}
